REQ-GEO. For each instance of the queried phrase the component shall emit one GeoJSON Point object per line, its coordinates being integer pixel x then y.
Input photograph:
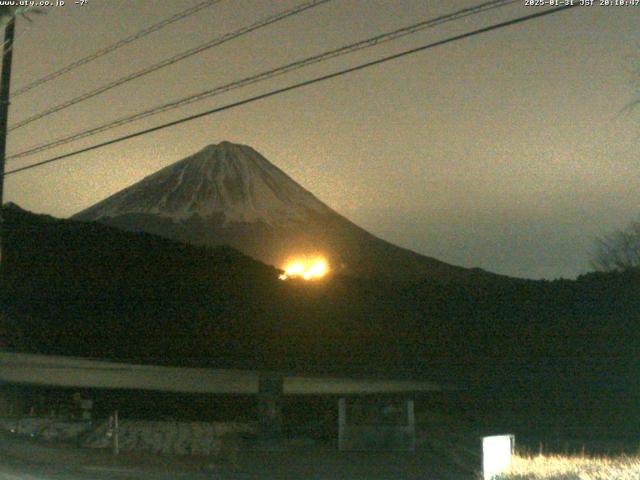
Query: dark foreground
{"type": "Point", "coordinates": [25, 460]}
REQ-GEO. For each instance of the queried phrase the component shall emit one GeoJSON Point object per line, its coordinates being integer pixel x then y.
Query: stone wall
{"type": "Point", "coordinates": [181, 438]}
{"type": "Point", "coordinates": [167, 437]}
{"type": "Point", "coordinates": [50, 429]}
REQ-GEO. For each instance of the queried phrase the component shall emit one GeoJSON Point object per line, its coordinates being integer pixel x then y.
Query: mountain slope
{"type": "Point", "coordinates": [230, 194]}
{"type": "Point", "coordinates": [87, 289]}
{"type": "Point", "coordinates": [229, 181]}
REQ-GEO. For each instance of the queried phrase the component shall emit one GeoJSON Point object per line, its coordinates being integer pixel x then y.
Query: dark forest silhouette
{"type": "Point", "coordinates": [521, 349]}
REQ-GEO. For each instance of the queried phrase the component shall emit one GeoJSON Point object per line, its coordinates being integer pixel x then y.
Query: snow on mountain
{"type": "Point", "coordinates": [227, 179]}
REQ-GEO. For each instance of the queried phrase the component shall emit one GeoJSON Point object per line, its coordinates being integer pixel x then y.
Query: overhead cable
{"type": "Point", "coordinates": [296, 86]}
{"type": "Point", "coordinates": [266, 75]}
{"type": "Point", "coordinates": [115, 46]}
{"type": "Point", "coordinates": [170, 61]}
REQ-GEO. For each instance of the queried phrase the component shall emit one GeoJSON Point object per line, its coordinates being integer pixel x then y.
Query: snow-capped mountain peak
{"type": "Point", "coordinates": [229, 194]}
{"type": "Point", "coordinates": [228, 180]}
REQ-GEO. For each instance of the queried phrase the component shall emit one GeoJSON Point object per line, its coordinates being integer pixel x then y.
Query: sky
{"type": "Point", "coordinates": [510, 151]}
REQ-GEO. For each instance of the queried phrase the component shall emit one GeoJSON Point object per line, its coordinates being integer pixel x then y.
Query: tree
{"type": "Point", "coordinates": [618, 251]}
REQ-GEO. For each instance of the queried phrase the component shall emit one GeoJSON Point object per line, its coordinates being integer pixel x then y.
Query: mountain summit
{"type": "Point", "coordinates": [230, 194]}
{"type": "Point", "coordinates": [229, 181]}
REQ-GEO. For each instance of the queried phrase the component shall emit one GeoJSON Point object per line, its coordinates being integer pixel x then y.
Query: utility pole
{"type": "Point", "coordinates": [5, 80]}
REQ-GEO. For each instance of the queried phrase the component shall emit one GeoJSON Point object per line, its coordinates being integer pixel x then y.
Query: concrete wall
{"type": "Point", "coordinates": [59, 371]}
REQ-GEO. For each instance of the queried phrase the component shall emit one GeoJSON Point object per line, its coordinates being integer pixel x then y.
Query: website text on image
{"type": "Point", "coordinates": [37, 3]}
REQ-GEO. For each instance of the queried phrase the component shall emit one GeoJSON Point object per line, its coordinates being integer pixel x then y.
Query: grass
{"type": "Point", "coordinates": [578, 467]}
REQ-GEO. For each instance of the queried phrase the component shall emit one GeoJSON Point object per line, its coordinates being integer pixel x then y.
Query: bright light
{"type": "Point", "coordinates": [306, 269]}
{"type": "Point", "coordinates": [496, 455]}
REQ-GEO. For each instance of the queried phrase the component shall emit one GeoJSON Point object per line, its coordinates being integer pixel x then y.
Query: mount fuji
{"type": "Point", "coordinates": [229, 194]}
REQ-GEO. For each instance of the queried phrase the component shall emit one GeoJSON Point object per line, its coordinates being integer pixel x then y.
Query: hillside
{"type": "Point", "coordinates": [88, 289]}
{"type": "Point", "coordinates": [561, 350]}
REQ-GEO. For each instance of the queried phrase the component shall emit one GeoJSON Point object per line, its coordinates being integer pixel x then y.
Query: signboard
{"type": "Point", "coordinates": [496, 455]}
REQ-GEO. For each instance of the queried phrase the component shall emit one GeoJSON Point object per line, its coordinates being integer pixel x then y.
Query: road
{"type": "Point", "coordinates": [22, 459]}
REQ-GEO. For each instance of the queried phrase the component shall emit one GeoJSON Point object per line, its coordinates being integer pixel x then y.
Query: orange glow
{"type": "Point", "coordinates": [306, 269]}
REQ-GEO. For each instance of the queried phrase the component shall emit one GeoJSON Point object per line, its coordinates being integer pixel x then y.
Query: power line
{"type": "Point", "coordinates": [119, 44]}
{"type": "Point", "coordinates": [170, 61]}
{"type": "Point", "coordinates": [295, 86]}
{"type": "Point", "coordinates": [266, 75]}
